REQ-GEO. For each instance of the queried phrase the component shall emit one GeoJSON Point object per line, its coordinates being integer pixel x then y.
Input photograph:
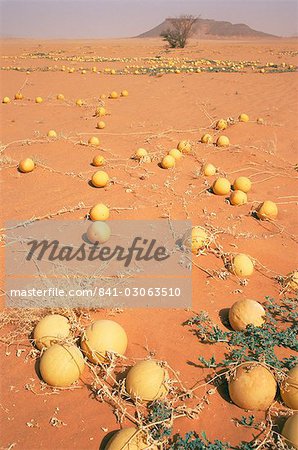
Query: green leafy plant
{"type": "Point", "coordinates": [253, 343]}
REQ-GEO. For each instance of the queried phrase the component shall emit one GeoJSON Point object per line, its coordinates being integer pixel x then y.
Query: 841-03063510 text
{"type": "Point", "coordinates": [99, 292]}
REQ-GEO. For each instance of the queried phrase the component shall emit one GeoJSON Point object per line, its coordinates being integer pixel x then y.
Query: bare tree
{"type": "Point", "coordinates": [179, 31]}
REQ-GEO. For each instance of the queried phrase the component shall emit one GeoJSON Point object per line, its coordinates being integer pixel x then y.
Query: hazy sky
{"type": "Point", "coordinates": [121, 18]}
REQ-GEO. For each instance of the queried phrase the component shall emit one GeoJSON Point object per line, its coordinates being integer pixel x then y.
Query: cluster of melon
{"type": "Point", "coordinates": [253, 386]}
{"type": "Point", "coordinates": [62, 362]}
{"type": "Point", "coordinates": [267, 210]}
{"type": "Point", "coordinates": [222, 186]}
{"type": "Point", "coordinates": [174, 155]}
{"type": "Point", "coordinates": [169, 160]}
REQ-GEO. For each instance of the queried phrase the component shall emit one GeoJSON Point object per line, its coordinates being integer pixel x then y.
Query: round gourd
{"type": "Point", "coordinates": [199, 239]}
{"type": "Point", "coordinates": [184, 146]}
{"type": "Point", "coordinates": [103, 336]}
{"type": "Point", "coordinates": [238, 198]}
{"type": "Point", "coordinates": [207, 139]}
{"type": "Point", "coordinates": [6, 100]}
{"type": "Point", "coordinates": [51, 329]}
{"type": "Point", "coordinates": [100, 111]}
{"type": "Point", "coordinates": [242, 184]}
{"type": "Point", "coordinates": [101, 125]}
{"type": "Point", "coordinates": [61, 365]}
{"type": "Point", "coordinates": [99, 212]}
{"type": "Point", "coordinates": [94, 141]}
{"type": "Point", "coordinates": [209, 170]}
{"type": "Point", "coordinates": [221, 124]}
{"type": "Point", "coordinates": [100, 179]}
{"type": "Point", "coordinates": [246, 312]}
{"type": "Point", "coordinates": [147, 381]}
{"type": "Point", "coordinates": [289, 389]}
{"type": "Point", "coordinates": [18, 96]}
{"type": "Point", "coordinates": [98, 161]}
{"type": "Point", "coordinates": [124, 93]}
{"type": "Point", "coordinates": [113, 95]}
{"type": "Point", "coordinates": [290, 431]}
{"type": "Point", "coordinates": [38, 100]}
{"type": "Point", "coordinates": [141, 153]}
{"type": "Point", "coordinates": [99, 232]}
{"type": "Point", "coordinates": [221, 186]}
{"type": "Point", "coordinates": [243, 118]}
{"type": "Point", "coordinates": [223, 141]}
{"type": "Point", "coordinates": [52, 134]}
{"type": "Point", "coordinates": [175, 153]}
{"type": "Point", "coordinates": [60, 97]}
{"type": "Point", "coordinates": [253, 387]}
{"type": "Point", "coordinates": [168, 162]}
{"type": "Point", "coordinates": [79, 102]}
{"type": "Point", "coordinates": [26, 165]}
{"type": "Point", "coordinates": [128, 439]}
{"type": "Point", "coordinates": [242, 265]}
{"type": "Point", "coordinates": [267, 210]}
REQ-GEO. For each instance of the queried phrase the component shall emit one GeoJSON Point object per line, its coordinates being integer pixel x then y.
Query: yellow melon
{"type": "Point", "coordinates": [129, 439]}
{"type": "Point", "coordinates": [18, 96]}
{"type": "Point", "coordinates": [100, 111]}
{"type": "Point", "coordinates": [252, 387]}
{"type": "Point", "coordinates": [50, 329]}
{"type": "Point", "coordinates": [243, 118]}
{"type": "Point", "coordinates": [26, 165]}
{"type": "Point", "coordinates": [168, 162]}
{"type": "Point", "coordinates": [38, 100]}
{"type": "Point", "coordinates": [245, 312]}
{"type": "Point", "coordinates": [99, 212]}
{"type": "Point", "coordinates": [184, 146]}
{"type": "Point", "coordinates": [290, 431]}
{"type": "Point", "coordinates": [140, 153]}
{"type": "Point", "coordinates": [103, 336]}
{"type": "Point", "coordinates": [98, 161]}
{"type": "Point", "coordinates": [147, 381]}
{"type": "Point", "coordinates": [124, 93]}
{"type": "Point", "coordinates": [60, 97]}
{"type": "Point", "coordinates": [79, 102]}
{"type": "Point", "coordinates": [52, 134]}
{"type": "Point", "coordinates": [221, 124]}
{"type": "Point", "coordinates": [101, 125]}
{"type": "Point", "coordinates": [99, 232]}
{"type": "Point", "coordinates": [6, 100]}
{"type": "Point", "coordinates": [94, 141]}
{"type": "Point", "coordinates": [242, 265]}
{"type": "Point", "coordinates": [267, 210]}
{"type": "Point", "coordinates": [289, 389]}
{"type": "Point", "coordinates": [238, 198]}
{"type": "Point", "coordinates": [100, 179]}
{"type": "Point", "coordinates": [221, 186]}
{"type": "Point", "coordinates": [61, 365]}
{"type": "Point", "coordinates": [207, 139]}
{"type": "Point", "coordinates": [113, 95]}
{"type": "Point", "coordinates": [223, 141]}
{"type": "Point", "coordinates": [242, 184]}
{"type": "Point", "coordinates": [199, 239]}
{"type": "Point", "coordinates": [175, 153]}
{"type": "Point", "coordinates": [209, 170]}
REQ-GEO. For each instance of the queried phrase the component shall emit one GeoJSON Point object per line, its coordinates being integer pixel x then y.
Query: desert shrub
{"type": "Point", "coordinates": [179, 31]}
